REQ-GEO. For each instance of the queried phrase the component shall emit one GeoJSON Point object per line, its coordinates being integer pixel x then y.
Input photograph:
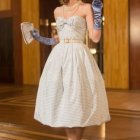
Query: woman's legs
{"type": "Point", "coordinates": [75, 133]}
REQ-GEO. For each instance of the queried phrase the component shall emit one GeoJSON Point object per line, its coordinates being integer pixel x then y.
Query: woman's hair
{"type": "Point", "coordinates": [64, 1]}
{"type": "Point", "coordinates": [67, 1]}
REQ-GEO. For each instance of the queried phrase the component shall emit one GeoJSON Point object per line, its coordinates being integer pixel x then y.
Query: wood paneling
{"type": "Point", "coordinates": [31, 53]}
{"type": "Point", "coordinates": [16, 14]}
{"type": "Point", "coordinates": [134, 44]}
{"type": "Point", "coordinates": [116, 44]}
{"type": "Point", "coordinates": [6, 14]}
{"type": "Point", "coordinates": [5, 5]}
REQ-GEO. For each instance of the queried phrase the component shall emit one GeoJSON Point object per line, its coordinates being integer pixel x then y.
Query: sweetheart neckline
{"type": "Point", "coordinates": [70, 17]}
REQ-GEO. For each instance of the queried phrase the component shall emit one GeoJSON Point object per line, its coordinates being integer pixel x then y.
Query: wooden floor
{"type": "Point", "coordinates": [17, 123]}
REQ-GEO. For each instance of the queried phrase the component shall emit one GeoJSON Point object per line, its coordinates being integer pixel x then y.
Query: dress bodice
{"type": "Point", "coordinates": [71, 28]}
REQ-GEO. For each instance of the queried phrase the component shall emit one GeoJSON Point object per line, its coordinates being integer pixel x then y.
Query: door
{"type": "Point", "coordinates": [6, 51]}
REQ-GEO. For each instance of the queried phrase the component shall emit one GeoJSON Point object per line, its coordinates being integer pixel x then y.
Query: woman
{"type": "Point", "coordinates": [71, 91]}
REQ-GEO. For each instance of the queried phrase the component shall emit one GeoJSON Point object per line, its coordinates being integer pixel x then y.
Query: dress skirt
{"type": "Point", "coordinates": [71, 90]}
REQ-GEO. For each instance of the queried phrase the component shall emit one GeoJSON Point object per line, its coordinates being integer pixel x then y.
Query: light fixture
{"type": "Point", "coordinates": [93, 50]}
{"type": "Point", "coordinates": [53, 24]}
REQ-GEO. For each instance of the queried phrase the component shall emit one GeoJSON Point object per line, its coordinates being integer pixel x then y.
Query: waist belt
{"type": "Point", "coordinates": [71, 41]}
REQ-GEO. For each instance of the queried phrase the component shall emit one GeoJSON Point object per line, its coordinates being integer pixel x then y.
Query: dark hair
{"type": "Point", "coordinates": [67, 1]}
{"type": "Point", "coordinates": [64, 1]}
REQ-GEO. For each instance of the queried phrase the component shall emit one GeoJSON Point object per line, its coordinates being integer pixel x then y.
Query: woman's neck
{"type": "Point", "coordinates": [72, 2]}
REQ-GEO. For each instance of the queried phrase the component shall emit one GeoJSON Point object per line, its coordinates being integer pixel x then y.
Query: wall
{"type": "Point", "coordinates": [116, 44]}
{"type": "Point", "coordinates": [5, 5]}
{"type": "Point", "coordinates": [134, 44]}
{"type": "Point", "coordinates": [31, 53]}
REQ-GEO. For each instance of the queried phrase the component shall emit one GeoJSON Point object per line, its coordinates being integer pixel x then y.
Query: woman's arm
{"type": "Point", "coordinates": [46, 41]}
{"type": "Point", "coordinates": [97, 6]}
{"type": "Point", "coordinates": [93, 19]}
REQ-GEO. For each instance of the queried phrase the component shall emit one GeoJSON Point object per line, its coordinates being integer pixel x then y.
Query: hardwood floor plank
{"type": "Point", "coordinates": [13, 137]}
{"type": "Point", "coordinates": [29, 132]}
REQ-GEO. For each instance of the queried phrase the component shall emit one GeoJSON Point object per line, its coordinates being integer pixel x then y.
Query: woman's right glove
{"type": "Point", "coordinates": [46, 41]}
{"type": "Point", "coordinates": [97, 6]}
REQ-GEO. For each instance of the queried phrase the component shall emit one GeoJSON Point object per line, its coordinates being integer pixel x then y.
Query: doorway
{"type": "Point", "coordinates": [6, 51]}
{"type": "Point", "coordinates": [10, 44]}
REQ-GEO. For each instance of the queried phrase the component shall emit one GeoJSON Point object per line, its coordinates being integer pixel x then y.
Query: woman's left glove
{"type": "Point", "coordinates": [46, 41]}
{"type": "Point", "coordinates": [97, 6]}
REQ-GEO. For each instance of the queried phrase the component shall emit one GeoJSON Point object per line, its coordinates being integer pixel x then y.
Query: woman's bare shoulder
{"type": "Point", "coordinates": [57, 10]}
{"type": "Point", "coordinates": [85, 5]}
{"type": "Point", "coordinates": [85, 8]}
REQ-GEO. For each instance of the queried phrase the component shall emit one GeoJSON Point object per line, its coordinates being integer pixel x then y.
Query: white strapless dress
{"type": "Point", "coordinates": [71, 90]}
